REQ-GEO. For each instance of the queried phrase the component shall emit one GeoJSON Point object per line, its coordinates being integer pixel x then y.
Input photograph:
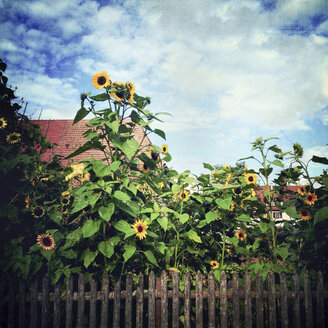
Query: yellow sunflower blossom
{"type": "Point", "coordinates": [140, 228]}
{"type": "Point", "coordinates": [27, 201]}
{"type": "Point", "coordinates": [250, 178]}
{"type": "Point", "coordinates": [77, 171]}
{"type": "Point", "coordinates": [100, 80]}
{"type": "Point", "coordinates": [232, 206]}
{"type": "Point", "coordinates": [3, 123]}
{"type": "Point", "coordinates": [65, 193]}
{"type": "Point", "coordinates": [144, 167]}
{"type": "Point", "coordinates": [311, 198]}
{"type": "Point", "coordinates": [240, 234]}
{"type": "Point", "coordinates": [305, 214]}
{"type": "Point", "coordinates": [164, 149]}
{"type": "Point", "coordinates": [119, 94]}
{"type": "Point", "coordinates": [13, 137]}
{"type": "Point", "coordinates": [227, 166]}
{"type": "Point", "coordinates": [214, 264]}
{"type": "Point", "coordinates": [228, 179]}
{"type": "Point", "coordinates": [301, 190]}
{"type": "Point", "coordinates": [184, 195]}
{"type": "Point", "coordinates": [46, 241]}
{"type": "Point", "coordinates": [131, 87]}
{"type": "Point", "coordinates": [38, 212]}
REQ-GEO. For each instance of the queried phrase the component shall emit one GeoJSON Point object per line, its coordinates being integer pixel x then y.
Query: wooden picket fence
{"type": "Point", "coordinates": [279, 301]}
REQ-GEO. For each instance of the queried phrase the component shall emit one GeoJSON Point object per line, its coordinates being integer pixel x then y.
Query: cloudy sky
{"type": "Point", "coordinates": [228, 71]}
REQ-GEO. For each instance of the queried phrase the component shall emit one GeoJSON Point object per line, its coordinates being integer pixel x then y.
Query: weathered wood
{"type": "Point", "coordinates": [248, 301]}
{"type": "Point", "coordinates": [199, 300]}
{"type": "Point", "coordinates": [69, 302]}
{"type": "Point", "coordinates": [117, 304]}
{"type": "Point", "coordinates": [272, 300]}
{"type": "Point", "coordinates": [164, 301]}
{"type": "Point", "coordinates": [223, 300]}
{"type": "Point", "coordinates": [45, 302]}
{"type": "Point", "coordinates": [139, 301]}
{"type": "Point", "coordinates": [104, 303]}
{"type": "Point", "coordinates": [320, 301]}
{"type": "Point", "coordinates": [259, 301]}
{"type": "Point", "coordinates": [21, 313]}
{"type": "Point", "coordinates": [187, 305]}
{"type": "Point", "coordinates": [235, 301]}
{"type": "Point", "coordinates": [93, 303]}
{"type": "Point", "coordinates": [308, 301]}
{"type": "Point", "coordinates": [11, 304]}
{"type": "Point", "coordinates": [151, 300]}
{"type": "Point", "coordinates": [283, 301]}
{"type": "Point", "coordinates": [128, 301]}
{"type": "Point", "coordinates": [57, 305]}
{"type": "Point", "coordinates": [211, 300]}
{"type": "Point", "coordinates": [80, 301]}
{"type": "Point", "coordinates": [175, 300]}
{"type": "Point", "coordinates": [34, 304]}
{"type": "Point", "coordinates": [296, 302]}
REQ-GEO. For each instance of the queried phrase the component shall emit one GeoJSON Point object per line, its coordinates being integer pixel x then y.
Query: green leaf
{"type": "Point", "coordinates": [183, 218]}
{"type": "Point", "coordinates": [106, 212]}
{"type": "Point", "coordinates": [282, 252]}
{"type": "Point", "coordinates": [113, 125]}
{"type": "Point", "coordinates": [263, 227]}
{"type": "Point", "coordinates": [129, 147]}
{"type": "Point", "coordinates": [88, 257]}
{"type": "Point", "coordinates": [151, 258]}
{"type": "Point", "coordinates": [100, 97]}
{"type": "Point", "coordinates": [244, 218]}
{"type": "Point", "coordinates": [208, 166]}
{"type": "Point", "coordinates": [121, 195]}
{"type": "Point", "coordinates": [167, 158]}
{"type": "Point", "coordinates": [194, 236]}
{"type": "Point", "coordinates": [266, 172]}
{"type": "Point", "coordinates": [275, 149]}
{"type": "Point", "coordinates": [114, 166]}
{"type": "Point", "coordinates": [291, 211]}
{"type": "Point", "coordinates": [162, 221]}
{"type": "Point", "coordinates": [211, 216]}
{"type": "Point", "coordinates": [277, 163]}
{"type": "Point", "coordinates": [175, 188]}
{"type": "Point", "coordinates": [90, 227]}
{"type": "Point", "coordinates": [256, 245]}
{"type": "Point", "coordinates": [46, 253]}
{"type": "Point", "coordinates": [224, 203]}
{"type": "Point", "coordinates": [317, 159]}
{"type": "Point", "coordinates": [123, 226]}
{"type": "Point", "coordinates": [80, 115]}
{"type": "Point", "coordinates": [160, 133]}
{"type": "Point", "coordinates": [129, 251]}
{"type": "Point", "coordinates": [321, 215]}
{"type": "Point", "coordinates": [106, 248]}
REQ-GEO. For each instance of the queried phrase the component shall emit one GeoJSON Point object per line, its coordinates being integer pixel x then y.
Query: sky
{"type": "Point", "coordinates": [228, 71]}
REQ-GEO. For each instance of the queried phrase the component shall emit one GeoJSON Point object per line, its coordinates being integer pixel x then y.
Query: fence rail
{"type": "Point", "coordinates": [152, 301]}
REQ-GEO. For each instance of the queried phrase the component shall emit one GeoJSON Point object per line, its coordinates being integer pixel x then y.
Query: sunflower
{"type": "Point", "coordinates": [13, 137]}
{"type": "Point", "coordinates": [301, 190]}
{"type": "Point", "coordinates": [305, 214]}
{"type": "Point", "coordinates": [311, 198]}
{"type": "Point", "coordinates": [164, 149]}
{"type": "Point", "coordinates": [27, 201]}
{"type": "Point", "coordinates": [184, 195]}
{"type": "Point", "coordinates": [227, 166]}
{"type": "Point", "coordinates": [144, 167]}
{"type": "Point", "coordinates": [65, 193]}
{"type": "Point", "coordinates": [38, 212]}
{"type": "Point", "coordinates": [100, 80]}
{"type": "Point", "coordinates": [3, 123]}
{"type": "Point", "coordinates": [65, 201]}
{"type": "Point", "coordinates": [132, 88]}
{"type": "Point", "coordinates": [86, 177]}
{"type": "Point", "coordinates": [250, 178]}
{"type": "Point", "coordinates": [119, 94]}
{"type": "Point", "coordinates": [140, 228]}
{"type": "Point", "coordinates": [154, 155]}
{"type": "Point", "coordinates": [77, 171]}
{"type": "Point", "coordinates": [237, 191]}
{"type": "Point", "coordinates": [240, 234]}
{"type": "Point", "coordinates": [232, 206]}
{"type": "Point", "coordinates": [214, 264]}
{"type": "Point", "coordinates": [228, 179]}
{"type": "Point", "coordinates": [46, 241]}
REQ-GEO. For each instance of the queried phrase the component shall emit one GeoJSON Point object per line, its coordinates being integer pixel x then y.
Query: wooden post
{"type": "Point", "coordinates": [151, 300]}
{"type": "Point", "coordinates": [248, 301]}
{"type": "Point", "coordinates": [164, 301]}
{"type": "Point", "coordinates": [128, 301]}
{"type": "Point", "coordinates": [158, 303]}
{"type": "Point", "coordinates": [235, 301]}
{"type": "Point", "coordinates": [117, 304]}
{"type": "Point", "coordinates": [175, 300]}
{"type": "Point", "coordinates": [69, 302]}
{"type": "Point", "coordinates": [104, 303]}
{"type": "Point", "coordinates": [283, 301]}
{"type": "Point", "coordinates": [21, 313]}
{"type": "Point", "coordinates": [45, 302]}
{"type": "Point", "coordinates": [211, 300]}
{"type": "Point", "coordinates": [308, 301]}
{"type": "Point", "coordinates": [80, 301]}
{"type": "Point", "coordinates": [296, 301]}
{"type": "Point", "coordinates": [187, 305]}
{"type": "Point", "coordinates": [93, 303]}
{"type": "Point", "coordinates": [259, 301]}
{"type": "Point", "coordinates": [199, 300]}
{"type": "Point", "coordinates": [11, 304]}
{"type": "Point", "coordinates": [320, 301]}
{"type": "Point", "coordinates": [57, 305]}
{"type": "Point", "coordinates": [223, 300]}
{"type": "Point", "coordinates": [34, 304]}
{"type": "Point", "coordinates": [139, 301]}
{"type": "Point", "coordinates": [272, 300]}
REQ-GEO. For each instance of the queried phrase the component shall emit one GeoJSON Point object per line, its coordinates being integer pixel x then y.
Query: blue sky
{"type": "Point", "coordinates": [228, 71]}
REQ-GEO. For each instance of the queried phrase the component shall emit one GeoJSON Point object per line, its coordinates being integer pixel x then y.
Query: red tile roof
{"type": "Point", "coordinates": [69, 137]}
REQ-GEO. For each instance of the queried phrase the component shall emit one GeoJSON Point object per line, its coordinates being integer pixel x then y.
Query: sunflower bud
{"type": "Point", "coordinates": [298, 150]}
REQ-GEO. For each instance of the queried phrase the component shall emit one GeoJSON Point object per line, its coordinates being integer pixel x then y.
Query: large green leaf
{"type": "Point", "coordinates": [107, 211]}
{"type": "Point", "coordinates": [322, 160]}
{"type": "Point", "coordinates": [151, 258]}
{"type": "Point", "coordinates": [277, 163]}
{"type": "Point", "coordinates": [208, 166]}
{"type": "Point", "coordinates": [106, 248]}
{"type": "Point", "coordinates": [183, 218]}
{"type": "Point", "coordinates": [244, 218]}
{"type": "Point", "coordinates": [90, 227]}
{"type": "Point", "coordinates": [80, 115]}
{"type": "Point", "coordinates": [321, 215]}
{"type": "Point", "coordinates": [192, 234]}
{"type": "Point", "coordinates": [123, 226]}
{"type": "Point", "coordinates": [121, 195]}
{"type": "Point", "coordinates": [129, 251]}
{"type": "Point", "coordinates": [291, 211]}
{"type": "Point", "coordinates": [88, 257]}
{"type": "Point", "coordinates": [160, 133]}
{"type": "Point", "coordinates": [211, 216]}
{"type": "Point", "coordinates": [224, 203]}
{"type": "Point", "coordinates": [100, 97]}
{"type": "Point", "coordinates": [162, 220]}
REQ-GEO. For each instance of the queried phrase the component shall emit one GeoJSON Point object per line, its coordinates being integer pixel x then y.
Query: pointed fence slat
{"type": "Point", "coordinates": [104, 303]}
{"type": "Point", "coordinates": [211, 300]}
{"type": "Point", "coordinates": [308, 301]}
{"type": "Point", "coordinates": [128, 301]}
{"type": "Point", "coordinates": [45, 302]}
{"type": "Point", "coordinates": [235, 301]}
{"type": "Point", "coordinates": [187, 305]}
{"type": "Point", "coordinates": [93, 303]}
{"type": "Point", "coordinates": [199, 300]}
{"type": "Point", "coordinates": [248, 301]}
{"type": "Point", "coordinates": [69, 302]}
{"type": "Point", "coordinates": [57, 306]}
{"type": "Point", "coordinates": [223, 301]}
{"type": "Point", "coordinates": [151, 300]}
{"type": "Point", "coordinates": [117, 304]}
{"type": "Point", "coordinates": [175, 300]}
{"type": "Point", "coordinates": [164, 301]}
{"type": "Point", "coordinates": [272, 300]}
{"type": "Point", "coordinates": [140, 301]}
{"type": "Point", "coordinates": [259, 301]}
{"type": "Point", "coordinates": [320, 301]}
{"type": "Point", "coordinates": [296, 302]}
{"type": "Point", "coordinates": [34, 304]}
{"type": "Point", "coordinates": [21, 313]}
{"type": "Point", "coordinates": [80, 301]}
{"type": "Point", "coordinates": [283, 301]}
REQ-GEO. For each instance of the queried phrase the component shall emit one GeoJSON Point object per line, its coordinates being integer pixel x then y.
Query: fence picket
{"type": "Point", "coordinates": [151, 300]}
{"type": "Point", "coordinates": [175, 300]}
{"type": "Point", "coordinates": [45, 302]}
{"type": "Point", "coordinates": [283, 301]}
{"type": "Point", "coordinates": [93, 303]}
{"type": "Point", "coordinates": [34, 304]}
{"type": "Point", "coordinates": [140, 299]}
{"type": "Point", "coordinates": [308, 301]}
{"type": "Point", "coordinates": [21, 313]}
{"type": "Point", "coordinates": [164, 301]}
{"type": "Point", "coordinates": [272, 300]}
{"type": "Point", "coordinates": [248, 301]}
{"type": "Point", "coordinates": [296, 301]}
{"type": "Point", "coordinates": [104, 303]}
{"type": "Point", "coordinates": [320, 301]}
{"type": "Point", "coordinates": [211, 300]}
{"type": "Point", "coordinates": [235, 301]}
{"type": "Point", "coordinates": [117, 304]}
{"type": "Point", "coordinates": [128, 301]}
{"type": "Point", "coordinates": [187, 304]}
{"type": "Point", "coordinates": [199, 300]}
{"type": "Point", "coordinates": [259, 301]}
{"type": "Point", "coordinates": [69, 302]}
{"type": "Point", "coordinates": [80, 301]}
{"type": "Point", "coordinates": [223, 300]}
{"type": "Point", "coordinates": [57, 305]}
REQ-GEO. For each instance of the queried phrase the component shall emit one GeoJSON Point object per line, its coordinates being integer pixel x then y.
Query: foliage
{"type": "Point", "coordinates": [130, 213]}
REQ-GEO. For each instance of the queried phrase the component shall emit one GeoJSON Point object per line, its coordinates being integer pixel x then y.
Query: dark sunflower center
{"type": "Point", "coordinates": [184, 195]}
{"type": "Point", "coordinates": [309, 198]}
{"type": "Point", "coordinates": [250, 178]}
{"type": "Point", "coordinates": [101, 80]}
{"type": "Point", "coordinates": [46, 241]}
{"type": "Point", "coordinates": [140, 229]}
{"type": "Point", "coordinates": [164, 149]}
{"type": "Point", "coordinates": [154, 156]}
{"type": "Point", "coordinates": [304, 213]}
{"type": "Point", "coordinates": [120, 94]}
{"type": "Point", "coordinates": [65, 201]}
{"type": "Point", "coordinates": [38, 211]}
{"type": "Point", "coordinates": [145, 166]}
{"type": "Point", "coordinates": [241, 235]}
{"type": "Point", "coordinates": [237, 191]}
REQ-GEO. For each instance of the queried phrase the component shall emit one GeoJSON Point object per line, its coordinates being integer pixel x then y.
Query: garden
{"type": "Point", "coordinates": [132, 213]}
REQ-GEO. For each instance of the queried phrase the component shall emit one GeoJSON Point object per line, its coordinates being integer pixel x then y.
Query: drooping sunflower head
{"type": "Point", "coordinates": [240, 234]}
{"type": "Point", "coordinates": [311, 198]}
{"type": "Point", "coordinates": [46, 241]}
{"type": "Point", "coordinates": [119, 94]}
{"type": "Point", "coordinates": [250, 178]}
{"type": "Point", "coordinates": [38, 212]}
{"type": "Point", "coordinates": [144, 167]}
{"type": "Point", "coordinates": [214, 264]}
{"type": "Point", "coordinates": [140, 228]}
{"type": "Point", "coordinates": [184, 195]}
{"type": "Point", "coordinates": [301, 190]}
{"type": "Point", "coordinates": [3, 123]}
{"type": "Point", "coordinates": [164, 149]}
{"type": "Point", "coordinates": [227, 166]}
{"type": "Point", "coordinates": [305, 214]}
{"type": "Point", "coordinates": [131, 89]}
{"type": "Point", "coordinates": [13, 137]}
{"type": "Point", "coordinates": [298, 150]}
{"type": "Point", "coordinates": [100, 80]}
